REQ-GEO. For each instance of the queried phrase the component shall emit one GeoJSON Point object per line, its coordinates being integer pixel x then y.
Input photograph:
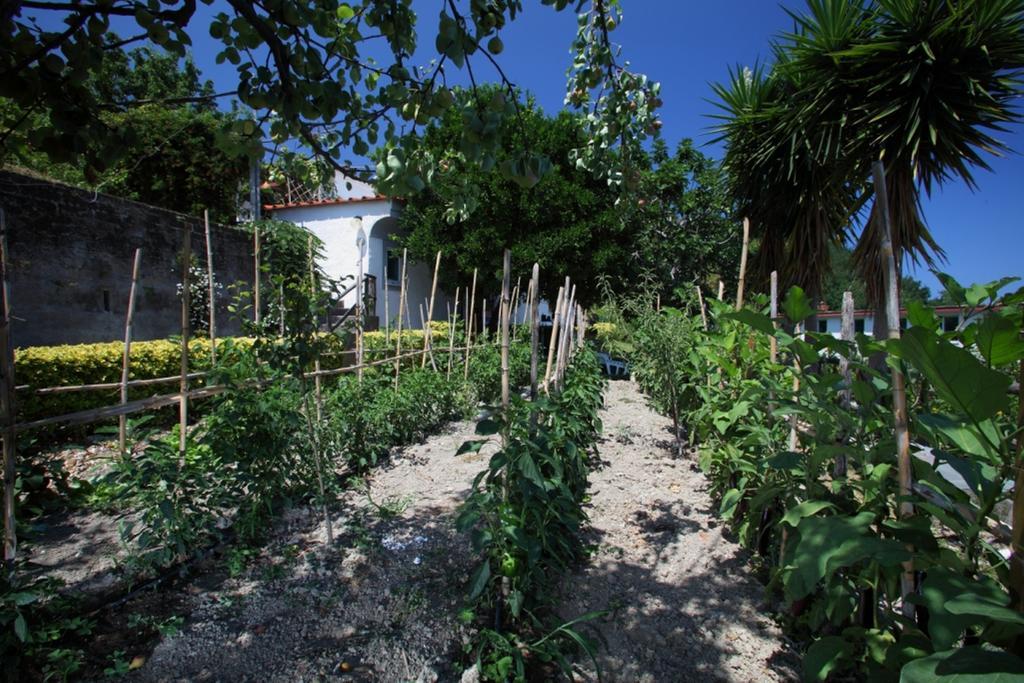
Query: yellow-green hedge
{"type": "Point", "coordinates": [76, 364]}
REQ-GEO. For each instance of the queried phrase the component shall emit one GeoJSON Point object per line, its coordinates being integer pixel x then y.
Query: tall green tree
{"type": "Point", "coordinates": [334, 78]}
{"type": "Point", "coordinates": [923, 85]}
{"type": "Point", "coordinates": [177, 156]}
{"type": "Point", "coordinates": [673, 227]}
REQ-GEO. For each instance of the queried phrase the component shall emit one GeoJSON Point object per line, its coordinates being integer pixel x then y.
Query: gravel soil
{"type": "Point", "coordinates": [381, 603]}
{"type": "Point", "coordinates": [682, 604]}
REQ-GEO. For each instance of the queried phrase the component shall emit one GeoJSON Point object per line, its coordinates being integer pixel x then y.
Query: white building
{"type": "Point", "coordinates": [358, 211]}
{"type": "Point", "coordinates": [863, 320]}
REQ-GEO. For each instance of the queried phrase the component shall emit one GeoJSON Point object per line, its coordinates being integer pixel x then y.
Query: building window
{"type": "Point", "coordinates": [949, 323]}
{"type": "Point", "coordinates": [393, 270]}
{"type": "Point", "coordinates": [822, 325]}
{"type": "Point", "coordinates": [858, 325]}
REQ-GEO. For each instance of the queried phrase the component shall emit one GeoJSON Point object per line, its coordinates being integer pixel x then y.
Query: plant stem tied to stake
{"type": "Point", "coordinates": [899, 391]}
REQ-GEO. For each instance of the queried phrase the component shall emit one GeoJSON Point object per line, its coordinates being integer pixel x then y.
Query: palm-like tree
{"type": "Point", "coordinates": [923, 85]}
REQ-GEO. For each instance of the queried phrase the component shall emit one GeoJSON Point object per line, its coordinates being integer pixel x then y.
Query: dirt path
{"type": "Point", "coordinates": [383, 605]}
{"type": "Point", "coordinates": [684, 606]}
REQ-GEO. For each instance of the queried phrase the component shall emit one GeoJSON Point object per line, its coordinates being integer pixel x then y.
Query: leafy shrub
{"type": "Point", "coordinates": [364, 420]}
{"type": "Point", "coordinates": [806, 473]}
{"type": "Point", "coordinates": [525, 514]}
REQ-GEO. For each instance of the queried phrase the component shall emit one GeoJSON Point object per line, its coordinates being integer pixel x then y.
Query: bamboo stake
{"type": "Point", "coordinates": [360, 299]}
{"type": "Point", "coordinates": [122, 422]}
{"type": "Point", "coordinates": [721, 290]}
{"type": "Point", "coordinates": [316, 360]}
{"type": "Point", "coordinates": [793, 437]}
{"type": "Point", "coordinates": [1017, 528]}
{"type": "Point", "coordinates": [534, 328]}
{"type": "Point", "coordinates": [401, 307]}
{"type": "Point", "coordinates": [7, 405]}
{"type": "Point", "coordinates": [899, 390]}
{"type": "Point", "coordinates": [514, 308]}
{"type": "Point", "coordinates": [846, 395]}
{"type": "Point", "coordinates": [212, 291]}
{"type": "Point", "coordinates": [469, 325]}
{"type": "Point", "coordinates": [743, 263]}
{"type": "Point", "coordinates": [560, 357]}
{"type": "Point", "coordinates": [186, 252]}
{"type": "Point", "coordinates": [452, 322]}
{"type": "Point", "coordinates": [427, 332]}
{"type": "Point", "coordinates": [703, 311]}
{"type": "Point", "coordinates": [387, 311]}
{"type": "Point", "coordinates": [552, 342]}
{"type": "Point", "coordinates": [774, 312]}
{"type": "Point", "coordinates": [257, 315]}
{"type": "Point", "coordinates": [505, 310]}
{"type": "Point", "coordinates": [483, 317]}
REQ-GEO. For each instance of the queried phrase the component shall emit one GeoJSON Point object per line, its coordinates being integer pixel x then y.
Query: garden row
{"type": "Point", "coordinates": [882, 575]}
{"type": "Point", "coordinates": [268, 442]}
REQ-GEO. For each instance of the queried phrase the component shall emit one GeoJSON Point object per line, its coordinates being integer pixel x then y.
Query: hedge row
{"type": "Point", "coordinates": [78, 364]}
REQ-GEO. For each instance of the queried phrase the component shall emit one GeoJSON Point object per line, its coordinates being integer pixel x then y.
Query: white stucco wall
{"type": "Point", "coordinates": [337, 225]}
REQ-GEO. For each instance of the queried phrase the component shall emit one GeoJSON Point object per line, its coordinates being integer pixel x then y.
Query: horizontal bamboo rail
{"type": "Point", "coordinates": [156, 402]}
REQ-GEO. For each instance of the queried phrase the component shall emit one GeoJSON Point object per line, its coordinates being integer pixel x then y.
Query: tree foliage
{"type": "Point", "coordinates": [336, 77]}
{"type": "Point", "coordinates": [844, 277]}
{"type": "Point", "coordinates": [174, 155]}
{"type": "Point", "coordinates": [924, 85]}
{"type": "Point", "coordinates": [673, 227]}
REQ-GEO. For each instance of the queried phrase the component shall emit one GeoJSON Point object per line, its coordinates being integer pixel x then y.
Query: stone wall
{"type": "Point", "coordinates": [70, 257]}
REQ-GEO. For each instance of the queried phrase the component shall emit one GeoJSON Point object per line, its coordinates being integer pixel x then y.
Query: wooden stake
{"type": "Point", "coordinates": [427, 332]}
{"type": "Point", "coordinates": [316, 360]}
{"type": "Point", "coordinates": [387, 312]}
{"type": "Point", "coordinates": [469, 325]}
{"type": "Point", "coordinates": [360, 300]}
{"type": "Point", "coordinates": [774, 313]}
{"type": "Point", "coordinates": [452, 322]}
{"type": "Point", "coordinates": [401, 307]}
{"type": "Point", "coordinates": [122, 420]}
{"type": "Point", "coordinates": [743, 263]}
{"type": "Point", "coordinates": [211, 286]}
{"type": "Point", "coordinates": [7, 405]}
{"type": "Point", "coordinates": [534, 328]}
{"type": "Point", "coordinates": [257, 314]}
{"type": "Point", "coordinates": [186, 259]}
{"type": "Point", "coordinates": [899, 390]}
{"type": "Point", "coordinates": [846, 395]}
{"type": "Point", "coordinates": [703, 312]}
{"type": "Point", "coordinates": [721, 290]}
{"type": "Point", "coordinates": [505, 310]}
{"type": "Point", "coordinates": [793, 440]}
{"type": "Point", "coordinates": [553, 341]}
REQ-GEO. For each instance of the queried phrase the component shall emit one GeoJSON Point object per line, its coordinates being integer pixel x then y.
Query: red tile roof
{"type": "Point", "coordinates": [326, 202]}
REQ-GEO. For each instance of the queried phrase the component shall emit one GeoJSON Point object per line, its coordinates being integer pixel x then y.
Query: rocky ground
{"type": "Point", "coordinates": [381, 603]}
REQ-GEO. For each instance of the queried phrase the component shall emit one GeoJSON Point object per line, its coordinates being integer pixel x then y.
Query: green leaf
{"type": "Point", "coordinates": [758, 321]}
{"type": "Point", "coordinates": [529, 469]}
{"type": "Point", "coordinates": [940, 586]}
{"type": "Point", "coordinates": [20, 629]}
{"type": "Point", "coordinates": [345, 12]}
{"type": "Point", "coordinates": [827, 543]}
{"type": "Point", "coordinates": [729, 501]}
{"type": "Point", "coordinates": [470, 447]}
{"type": "Point", "coordinates": [796, 305]}
{"type": "Point", "coordinates": [824, 656]}
{"type": "Point", "coordinates": [973, 389]}
{"type": "Point", "coordinates": [487, 427]}
{"type": "Point", "coordinates": [787, 460]}
{"type": "Point", "coordinates": [804, 509]}
{"type": "Point", "coordinates": [970, 664]}
{"type": "Point", "coordinates": [999, 340]}
{"type": "Point", "coordinates": [978, 606]}
{"type": "Point", "coordinates": [981, 440]}
{"type": "Point", "coordinates": [478, 583]}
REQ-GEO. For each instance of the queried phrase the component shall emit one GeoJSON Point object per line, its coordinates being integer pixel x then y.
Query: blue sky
{"type": "Point", "coordinates": [687, 45]}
